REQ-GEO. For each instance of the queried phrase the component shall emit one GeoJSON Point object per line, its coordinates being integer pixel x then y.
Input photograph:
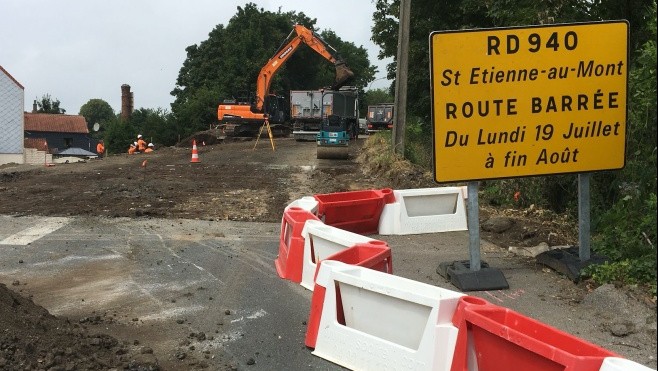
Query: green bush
{"type": "Point", "coordinates": [418, 144]}
{"type": "Point", "coordinates": [626, 236]}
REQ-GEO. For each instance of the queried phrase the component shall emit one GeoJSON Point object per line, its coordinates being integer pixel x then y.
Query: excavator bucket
{"type": "Point", "coordinates": [331, 152]}
{"type": "Point", "coordinates": [343, 75]}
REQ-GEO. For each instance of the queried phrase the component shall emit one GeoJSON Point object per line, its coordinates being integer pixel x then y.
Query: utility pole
{"type": "Point", "coordinates": [400, 112]}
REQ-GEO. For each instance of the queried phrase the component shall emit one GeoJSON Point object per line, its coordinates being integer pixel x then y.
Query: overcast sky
{"type": "Point", "coordinates": [76, 50]}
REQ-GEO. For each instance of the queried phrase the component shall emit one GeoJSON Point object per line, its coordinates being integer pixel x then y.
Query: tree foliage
{"type": "Point", "coordinates": [377, 96]}
{"type": "Point", "coordinates": [156, 125]}
{"type": "Point", "coordinates": [49, 105]}
{"type": "Point", "coordinates": [118, 135]}
{"type": "Point", "coordinates": [96, 111]}
{"type": "Point", "coordinates": [227, 63]}
{"type": "Point", "coordinates": [624, 202]}
{"type": "Point", "coordinates": [627, 199]}
{"type": "Point", "coordinates": [430, 15]}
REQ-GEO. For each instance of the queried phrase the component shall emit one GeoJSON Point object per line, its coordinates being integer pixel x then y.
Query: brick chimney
{"type": "Point", "coordinates": [126, 102]}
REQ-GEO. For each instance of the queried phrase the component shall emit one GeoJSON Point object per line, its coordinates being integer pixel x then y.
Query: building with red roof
{"type": "Point", "coordinates": [59, 130]}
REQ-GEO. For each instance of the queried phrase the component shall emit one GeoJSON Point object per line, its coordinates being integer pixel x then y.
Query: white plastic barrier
{"type": "Point", "coordinates": [390, 322]}
{"type": "Point", "coordinates": [307, 203]}
{"type": "Point", "coordinates": [424, 210]}
{"type": "Point", "coordinates": [321, 241]}
{"type": "Point", "coordinates": [622, 364]}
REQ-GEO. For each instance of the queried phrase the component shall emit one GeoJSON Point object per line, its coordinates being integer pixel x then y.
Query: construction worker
{"type": "Point", "coordinates": [149, 148]}
{"type": "Point", "coordinates": [141, 144]}
{"type": "Point", "coordinates": [100, 148]}
{"type": "Point", "coordinates": [132, 149]}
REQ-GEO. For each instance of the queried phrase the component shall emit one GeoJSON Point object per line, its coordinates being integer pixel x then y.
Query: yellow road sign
{"type": "Point", "coordinates": [523, 101]}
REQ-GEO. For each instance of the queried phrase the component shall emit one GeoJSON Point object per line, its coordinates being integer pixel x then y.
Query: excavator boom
{"type": "Point", "coordinates": [302, 35]}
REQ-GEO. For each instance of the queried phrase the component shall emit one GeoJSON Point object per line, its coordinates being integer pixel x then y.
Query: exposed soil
{"type": "Point", "coordinates": [165, 184]}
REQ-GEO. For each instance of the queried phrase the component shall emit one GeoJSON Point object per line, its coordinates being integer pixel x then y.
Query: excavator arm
{"type": "Point", "coordinates": [299, 35]}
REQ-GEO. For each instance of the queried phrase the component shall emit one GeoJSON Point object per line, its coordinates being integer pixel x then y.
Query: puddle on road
{"type": "Point", "coordinates": [305, 168]}
{"type": "Point", "coordinates": [277, 167]}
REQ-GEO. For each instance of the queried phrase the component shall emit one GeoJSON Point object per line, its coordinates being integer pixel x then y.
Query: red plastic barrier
{"type": "Point", "coordinates": [313, 326]}
{"type": "Point", "coordinates": [354, 211]}
{"type": "Point", "coordinates": [317, 303]}
{"type": "Point", "coordinates": [374, 255]}
{"type": "Point", "coordinates": [291, 243]}
{"type": "Point", "coordinates": [505, 340]}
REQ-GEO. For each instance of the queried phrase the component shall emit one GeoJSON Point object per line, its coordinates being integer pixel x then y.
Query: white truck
{"type": "Point", "coordinates": [306, 113]}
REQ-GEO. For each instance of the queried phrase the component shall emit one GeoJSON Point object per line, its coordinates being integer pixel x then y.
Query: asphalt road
{"type": "Point", "coordinates": [159, 281]}
{"type": "Point", "coordinates": [164, 282]}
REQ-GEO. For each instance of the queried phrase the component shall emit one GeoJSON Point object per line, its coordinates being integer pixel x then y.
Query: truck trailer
{"type": "Point", "coordinates": [380, 117]}
{"type": "Point", "coordinates": [306, 113]}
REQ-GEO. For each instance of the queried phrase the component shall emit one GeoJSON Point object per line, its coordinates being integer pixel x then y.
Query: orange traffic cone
{"type": "Point", "coordinates": [195, 152]}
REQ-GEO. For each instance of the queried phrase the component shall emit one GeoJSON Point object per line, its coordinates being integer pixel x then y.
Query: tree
{"type": "Point", "coordinates": [376, 96]}
{"type": "Point", "coordinates": [432, 15]}
{"type": "Point", "coordinates": [48, 105]}
{"type": "Point", "coordinates": [118, 135]}
{"type": "Point", "coordinates": [96, 111]}
{"type": "Point", "coordinates": [156, 125]}
{"type": "Point", "coordinates": [228, 62]}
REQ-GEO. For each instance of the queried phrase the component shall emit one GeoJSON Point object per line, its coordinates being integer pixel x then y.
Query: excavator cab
{"type": "Point", "coordinates": [277, 109]}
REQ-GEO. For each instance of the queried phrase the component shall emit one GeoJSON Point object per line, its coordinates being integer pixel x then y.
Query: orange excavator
{"type": "Point", "coordinates": [245, 116]}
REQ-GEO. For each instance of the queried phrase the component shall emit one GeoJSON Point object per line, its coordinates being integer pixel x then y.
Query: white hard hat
{"type": "Point", "coordinates": [151, 145]}
{"type": "Point", "coordinates": [132, 144]}
{"type": "Point", "coordinates": [135, 143]}
{"type": "Point", "coordinates": [139, 135]}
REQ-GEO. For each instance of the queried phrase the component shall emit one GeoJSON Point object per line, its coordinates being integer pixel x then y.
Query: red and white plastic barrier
{"type": "Point", "coordinates": [320, 242]}
{"type": "Point", "coordinates": [374, 254]}
{"type": "Point", "coordinates": [424, 210]}
{"type": "Point", "coordinates": [307, 203]}
{"type": "Point", "coordinates": [354, 211]}
{"type": "Point", "coordinates": [622, 364]}
{"type": "Point", "coordinates": [368, 320]}
{"type": "Point", "coordinates": [291, 243]}
{"type": "Point", "coordinates": [363, 317]}
{"type": "Point", "coordinates": [494, 338]}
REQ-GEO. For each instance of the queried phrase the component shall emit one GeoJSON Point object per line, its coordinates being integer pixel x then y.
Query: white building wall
{"type": "Point", "coordinates": [35, 157]}
{"type": "Point", "coordinates": [11, 121]}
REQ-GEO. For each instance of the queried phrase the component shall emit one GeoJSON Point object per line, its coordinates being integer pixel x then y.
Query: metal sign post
{"type": "Point", "coordinates": [473, 226]}
{"type": "Point", "coordinates": [583, 217]}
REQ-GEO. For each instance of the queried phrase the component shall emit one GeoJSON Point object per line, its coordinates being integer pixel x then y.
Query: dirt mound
{"type": "Point", "coordinates": [377, 161]}
{"type": "Point", "coordinates": [208, 137]}
{"type": "Point", "coordinates": [33, 339]}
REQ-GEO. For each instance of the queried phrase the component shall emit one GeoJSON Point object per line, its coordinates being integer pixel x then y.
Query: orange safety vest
{"type": "Point", "coordinates": [100, 148]}
{"type": "Point", "coordinates": [141, 144]}
{"type": "Point", "coordinates": [131, 150]}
